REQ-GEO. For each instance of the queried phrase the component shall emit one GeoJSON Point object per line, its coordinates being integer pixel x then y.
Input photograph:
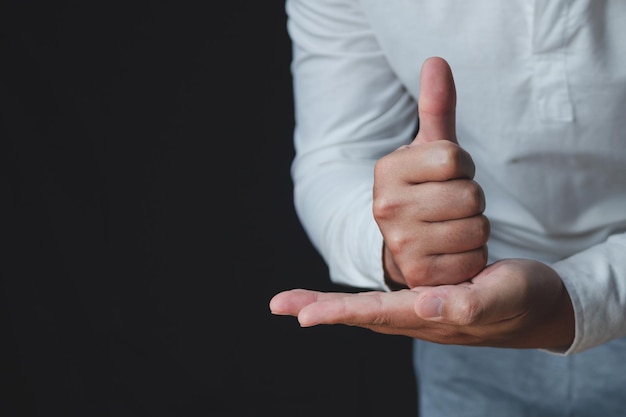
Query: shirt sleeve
{"type": "Point", "coordinates": [350, 109]}
{"type": "Point", "coordinates": [596, 282]}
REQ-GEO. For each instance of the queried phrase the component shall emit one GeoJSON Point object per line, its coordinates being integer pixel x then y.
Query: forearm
{"type": "Point", "coordinates": [350, 110]}
{"type": "Point", "coordinates": [596, 282]}
{"type": "Point", "coordinates": [336, 214]}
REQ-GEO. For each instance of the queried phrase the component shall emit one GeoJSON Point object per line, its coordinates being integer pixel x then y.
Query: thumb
{"type": "Point", "coordinates": [436, 102]}
{"type": "Point", "coordinates": [452, 304]}
{"type": "Point", "coordinates": [493, 296]}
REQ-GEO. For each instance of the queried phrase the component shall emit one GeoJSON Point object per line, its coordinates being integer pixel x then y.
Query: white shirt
{"type": "Point", "coordinates": [541, 107]}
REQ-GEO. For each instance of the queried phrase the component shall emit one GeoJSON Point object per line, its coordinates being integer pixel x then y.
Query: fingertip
{"type": "Point", "coordinates": [436, 101]}
{"type": "Point", "coordinates": [441, 62]}
{"type": "Point", "coordinates": [290, 302]}
{"type": "Point", "coordinates": [437, 80]}
{"type": "Point", "coordinates": [277, 304]}
{"type": "Point", "coordinates": [305, 320]}
{"type": "Point", "coordinates": [304, 323]}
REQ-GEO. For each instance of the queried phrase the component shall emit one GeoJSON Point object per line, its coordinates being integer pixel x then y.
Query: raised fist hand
{"type": "Point", "coordinates": [426, 203]}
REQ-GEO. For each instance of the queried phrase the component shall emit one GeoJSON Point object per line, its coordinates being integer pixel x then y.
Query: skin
{"type": "Point", "coordinates": [426, 203]}
{"type": "Point", "coordinates": [514, 303]}
{"type": "Point", "coordinates": [429, 210]}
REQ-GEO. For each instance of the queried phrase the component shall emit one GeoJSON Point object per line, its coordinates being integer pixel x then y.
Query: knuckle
{"type": "Point", "coordinates": [483, 228]}
{"type": "Point", "coordinates": [396, 241]}
{"type": "Point", "coordinates": [453, 161]}
{"type": "Point", "coordinates": [383, 165]}
{"type": "Point", "coordinates": [384, 207]}
{"type": "Point", "coordinates": [478, 228]}
{"type": "Point", "coordinates": [474, 197]}
{"type": "Point", "coordinates": [420, 271]}
{"type": "Point", "coordinates": [467, 312]}
{"type": "Point", "coordinates": [447, 157]}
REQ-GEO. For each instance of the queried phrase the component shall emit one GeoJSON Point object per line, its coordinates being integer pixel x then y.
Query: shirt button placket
{"type": "Point", "coordinates": [549, 44]}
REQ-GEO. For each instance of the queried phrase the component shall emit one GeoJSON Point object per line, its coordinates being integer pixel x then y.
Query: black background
{"type": "Point", "coordinates": [145, 151]}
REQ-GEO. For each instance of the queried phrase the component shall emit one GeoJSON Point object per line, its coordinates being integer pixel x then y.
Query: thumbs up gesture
{"type": "Point", "coordinates": [430, 212]}
{"type": "Point", "coordinates": [426, 203]}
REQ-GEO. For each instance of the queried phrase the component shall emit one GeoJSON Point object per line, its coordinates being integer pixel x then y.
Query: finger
{"type": "Point", "coordinates": [436, 102]}
{"type": "Point", "coordinates": [451, 268]}
{"type": "Point", "coordinates": [438, 202]}
{"type": "Point", "coordinates": [292, 301]}
{"type": "Point", "coordinates": [440, 161]}
{"type": "Point", "coordinates": [387, 309]}
{"type": "Point", "coordinates": [454, 236]}
{"type": "Point", "coordinates": [442, 237]}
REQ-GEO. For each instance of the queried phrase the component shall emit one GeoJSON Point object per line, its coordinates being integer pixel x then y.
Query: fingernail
{"type": "Point", "coordinates": [431, 307]}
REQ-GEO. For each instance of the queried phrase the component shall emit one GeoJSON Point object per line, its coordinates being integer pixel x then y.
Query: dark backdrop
{"type": "Point", "coordinates": [144, 152]}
